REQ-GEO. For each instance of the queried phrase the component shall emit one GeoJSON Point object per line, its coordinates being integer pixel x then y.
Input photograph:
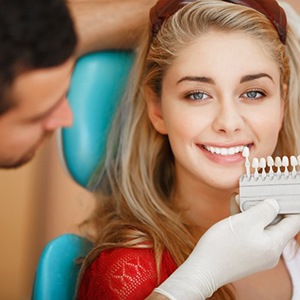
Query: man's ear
{"type": "Point", "coordinates": [155, 111]}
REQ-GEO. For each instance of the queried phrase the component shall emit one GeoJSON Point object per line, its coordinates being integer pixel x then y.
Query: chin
{"type": "Point", "coordinates": [18, 163]}
{"type": "Point", "coordinates": [224, 180]}
{"type": "Point", "coordinates": [26, 159]}
{"type": "Point", "coordinates": [226, 185]}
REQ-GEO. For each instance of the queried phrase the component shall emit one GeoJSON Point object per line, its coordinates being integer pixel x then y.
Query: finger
{"type": "Point", "coordinates": [237, 199]}
{"type": "Point", "coordinates": [263, 213]}
{"type": "Point", "coordinates": [287, 228]}
{"type": "Point", "coordinates": [234, 204]}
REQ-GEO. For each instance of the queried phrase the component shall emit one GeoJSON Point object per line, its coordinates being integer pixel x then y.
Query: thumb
{"type": "Point", "coordinates": [234, 202]}
{"type": "Point", "coordinates": [264, 212]}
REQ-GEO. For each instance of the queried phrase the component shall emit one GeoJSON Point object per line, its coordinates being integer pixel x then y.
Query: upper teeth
{"type": "Point", "coordinates": [225, 151]}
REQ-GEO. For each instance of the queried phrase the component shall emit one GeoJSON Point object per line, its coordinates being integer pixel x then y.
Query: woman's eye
{"type": "Point", "coordinates": [254, 94]}
{"type": "Point", "coordinates": [196, 96]}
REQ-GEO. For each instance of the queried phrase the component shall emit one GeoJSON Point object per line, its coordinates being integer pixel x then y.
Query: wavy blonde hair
{"type": "Point", "coordinates": [135, 182]}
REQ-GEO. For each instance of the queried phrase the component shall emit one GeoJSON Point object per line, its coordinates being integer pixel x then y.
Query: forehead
{"type": "Point", "coordinates": [222, 53]}
{"type": "Point", "coordinates": [37, 90]}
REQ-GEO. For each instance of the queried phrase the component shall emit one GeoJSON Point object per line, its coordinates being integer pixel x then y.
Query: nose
{"type": "Point", "coordinates": [228, 119]}
{"type": "Point", "coordinates": [62, 116]}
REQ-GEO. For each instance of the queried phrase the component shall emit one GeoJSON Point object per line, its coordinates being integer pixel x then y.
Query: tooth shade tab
{"type": "Point", "coordinates": [277, 161]}
{"type": "Point", "coordinates": [263, 164]}
{"type": "Point", "coordinates": [255, 165]}
{"type": "Point", "coordinates": [294, 164]}
{"type": "Point", "coordinates": [285, 164]}
{"type": "Point", "coordinates": [294, 161]}
{"type": "Point", "coordinates": [246, 152]}
{"type": "Point", "coordinates": [285, 161]}
{"type": "Point", "coordinates": [270, 161]}
{"type": "Point", "coordinates": [278, 164]}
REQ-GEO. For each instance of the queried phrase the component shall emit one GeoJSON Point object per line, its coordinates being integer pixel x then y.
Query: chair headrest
{"type": "Point", "coordinates": [97, 85]}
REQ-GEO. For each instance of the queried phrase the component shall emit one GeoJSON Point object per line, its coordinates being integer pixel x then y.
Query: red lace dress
{"type": "Point", "coordinates": [124, 274]}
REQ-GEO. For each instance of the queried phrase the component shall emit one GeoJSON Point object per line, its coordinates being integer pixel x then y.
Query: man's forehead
{"type": "Point", "coordinates": [38, 90]}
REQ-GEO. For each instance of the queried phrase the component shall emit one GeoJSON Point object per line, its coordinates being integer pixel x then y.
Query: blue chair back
{"type": "Point", "coordinates": [97, 85]}
{"type": "Point", "coordinates": [57, 272]}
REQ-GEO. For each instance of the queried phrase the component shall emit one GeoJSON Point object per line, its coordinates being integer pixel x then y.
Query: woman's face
{"type": "Point", "coordinates": [221, 94]}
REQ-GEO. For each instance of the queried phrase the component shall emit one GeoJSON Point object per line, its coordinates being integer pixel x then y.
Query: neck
{"type": "Point", "coordinates": [201, 206]}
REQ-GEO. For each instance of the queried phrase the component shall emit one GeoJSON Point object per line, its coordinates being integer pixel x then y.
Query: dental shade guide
{"type": "Point", "coordinates": [278, 179]}
{"type": "Point", "coordinates": [247, 162]}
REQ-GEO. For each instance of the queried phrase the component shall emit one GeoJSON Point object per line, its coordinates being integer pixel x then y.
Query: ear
{"type": "Point", "coordinates": [155, 111]}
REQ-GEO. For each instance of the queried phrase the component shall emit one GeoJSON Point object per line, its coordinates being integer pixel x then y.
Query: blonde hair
{"type": "Point", "coordinates": [135, 181]}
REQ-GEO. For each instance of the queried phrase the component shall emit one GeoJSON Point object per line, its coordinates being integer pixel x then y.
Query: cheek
{"type": "Point", "coordinates": [26, 137]}
{"type": "Point", "coordinates": [186, 127]}
{"type": "Point", "coordinates": [266, 124]}
{"type": "Point", "coordinates": [182, 123]}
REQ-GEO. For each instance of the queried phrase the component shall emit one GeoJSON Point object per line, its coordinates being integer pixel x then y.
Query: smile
{"type": "Point", "coordinates": [225, 151]}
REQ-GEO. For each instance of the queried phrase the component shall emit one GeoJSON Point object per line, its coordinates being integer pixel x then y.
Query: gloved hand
{"type": "Point", "coordinates": [233, 248]}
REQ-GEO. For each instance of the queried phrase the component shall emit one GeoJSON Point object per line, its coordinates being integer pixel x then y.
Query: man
{"type": "Point", "coordinates": [37, 55]}
{"type": "Point", "coordinates": [37, 43]}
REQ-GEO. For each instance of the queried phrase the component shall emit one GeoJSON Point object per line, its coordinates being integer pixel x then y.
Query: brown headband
{"type": "Point", "coordinates": [270, 8]}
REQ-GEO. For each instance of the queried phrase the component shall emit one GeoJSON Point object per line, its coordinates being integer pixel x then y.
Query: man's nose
{"type": "Point", "coordinates": [62, 116]}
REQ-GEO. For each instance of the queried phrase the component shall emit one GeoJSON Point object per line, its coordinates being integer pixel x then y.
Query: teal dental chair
{"type": "Point", "coordinates": [97, 84]}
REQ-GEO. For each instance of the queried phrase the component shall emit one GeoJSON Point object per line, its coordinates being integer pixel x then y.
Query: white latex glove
{"type": "Point", "coordinates": [233, 248]}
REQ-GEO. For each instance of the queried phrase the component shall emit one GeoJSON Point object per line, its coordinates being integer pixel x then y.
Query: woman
{"type": "Point", "coordinates": [211, 78]}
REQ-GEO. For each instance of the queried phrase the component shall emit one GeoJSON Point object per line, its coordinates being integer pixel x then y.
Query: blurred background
{"type": "Point", "coordinates": [38, 202]}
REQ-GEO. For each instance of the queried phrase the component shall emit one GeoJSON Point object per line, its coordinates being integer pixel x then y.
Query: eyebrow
{"type": "Point", "coordinates": [209, 80]}
{"type": "Point", "coordinates": [255, 76]}
{"type": "Point", "coordinates": [197, 79]}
